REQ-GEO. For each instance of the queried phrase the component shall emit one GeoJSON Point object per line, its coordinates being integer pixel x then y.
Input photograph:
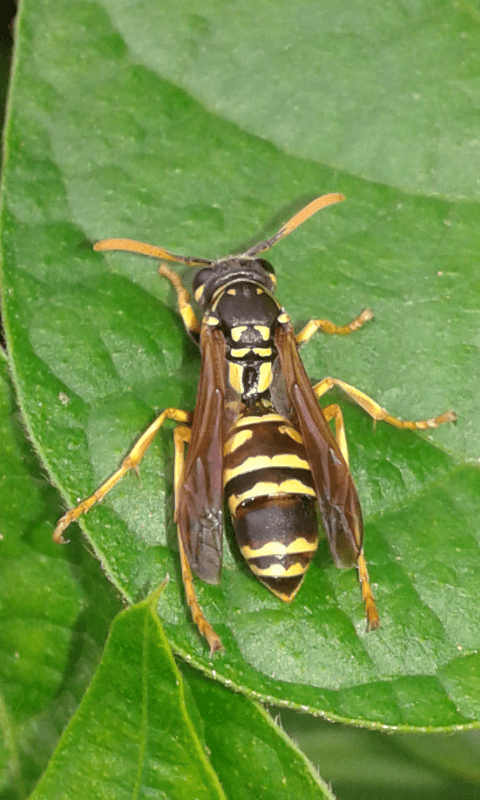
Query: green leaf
{"type": "Point", "coordinates": [54, 618]}
{"type": "Point", "coordinates": [121, 125]}
{"type": "Point", "coordinates": [132, 734]}
{"type": "Point", "coordinates": [369, 764]}
{"type": "Point", "coordinates": [54, 612]}
{"type": "Point", "coordinates": [251, 754]}
{"type": "Point", "coordinates": [389, 96]}
{"type": "Point", "coordinates": [141, 731]}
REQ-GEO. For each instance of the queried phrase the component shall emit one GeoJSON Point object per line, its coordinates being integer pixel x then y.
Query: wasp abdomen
{"type": "Point", "coordinates": [270, 494]}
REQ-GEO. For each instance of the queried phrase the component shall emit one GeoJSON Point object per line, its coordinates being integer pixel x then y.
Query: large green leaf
{"type": "Point", "coordinates": [390, 95]}
{"type": "Point", "coordinates": [119, 125]}
{"type": "Point", "coordinates": [167, 728]}
{"type": "Point", "coordinates": [54, 612]}
{"type": "Point", "coordinates": [53, 621]}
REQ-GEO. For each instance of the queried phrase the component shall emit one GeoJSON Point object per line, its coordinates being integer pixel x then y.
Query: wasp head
{"type": "Point", "coordinates": [227, 271]}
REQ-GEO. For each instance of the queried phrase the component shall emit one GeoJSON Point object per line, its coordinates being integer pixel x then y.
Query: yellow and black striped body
{"type": "Point", "coordinates": [267, 479]}
{"type": "Point", "coordinates": [257, 438]}
{"type": "Point", "coordinates": [271, 498]}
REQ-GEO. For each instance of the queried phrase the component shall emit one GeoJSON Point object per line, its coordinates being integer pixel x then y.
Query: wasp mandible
{"type": "Point", "coordinates": [257, 438]}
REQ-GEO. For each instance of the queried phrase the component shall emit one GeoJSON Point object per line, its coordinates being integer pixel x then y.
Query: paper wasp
{"type": "Point", "coordinates": [257, 438]}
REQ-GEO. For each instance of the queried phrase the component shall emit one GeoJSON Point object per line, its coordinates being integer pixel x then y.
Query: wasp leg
{"type": "Point", "coordinates": [182, 437]}
{"type": "Point", "coordinates": [373, 621]}
{"type": "Point", "coordinates": [183, 299]}
{"type": "Point", "coordinates": [377, 412]}
{"type": "Point", "coordinates": [326, 326]}
{"type": "Point", "coordinates": [334, 412]}
{"type": "Point", "coordinates": [131, 461]}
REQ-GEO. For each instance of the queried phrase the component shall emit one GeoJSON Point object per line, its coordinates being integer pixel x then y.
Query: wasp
{"type": "Point", "coordinates": [258, 438]}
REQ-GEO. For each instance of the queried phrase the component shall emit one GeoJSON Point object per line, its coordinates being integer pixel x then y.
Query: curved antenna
{"type": "Point", "coordinates": [294, 222]}
{"type": "Point", "coordinates": [132, 246]}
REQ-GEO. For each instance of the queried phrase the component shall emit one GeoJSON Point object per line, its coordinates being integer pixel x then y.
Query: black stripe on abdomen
{"type": "Point", "coordinates": [278, 537]}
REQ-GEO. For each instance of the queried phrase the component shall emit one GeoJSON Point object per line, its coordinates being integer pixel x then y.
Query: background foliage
{"type": "Point", "coordinates": [197, 131]}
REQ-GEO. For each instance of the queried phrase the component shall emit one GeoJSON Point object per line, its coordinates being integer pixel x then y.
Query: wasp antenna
{"type": "Point", "coordinates": [295, 221]}
{"type": "Point", "coordinates": [132, 246]}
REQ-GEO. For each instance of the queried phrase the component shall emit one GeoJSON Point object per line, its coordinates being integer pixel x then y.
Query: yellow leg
{"type": "Point", "coordinates": [377, 412]}
{"type": "Point", "coordinates": [326, 326]}
{"type": "Point", "coordinates": [182, 436]}
{"type": "Point", "coordinates": [183, 299]}
{"type": "Point", "coordinates": [373, 621]}
{"type": "Point", "coordinates": [130, 462]}
{"type": "Point", "coordinates": [334, 412]}
{"type": "Point", "coordinates": [131, 246]}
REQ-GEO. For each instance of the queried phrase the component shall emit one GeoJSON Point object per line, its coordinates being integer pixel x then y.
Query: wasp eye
{"type": "Point", "coordinates": [264, 264]}
{"type": "Point", "coordinates": [200, 279]}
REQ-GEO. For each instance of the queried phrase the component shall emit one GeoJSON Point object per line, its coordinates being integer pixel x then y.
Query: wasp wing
{"type": "Point", "coordinates": [199, 511]}
{"type": "Point", "coordinates": [334, 486]}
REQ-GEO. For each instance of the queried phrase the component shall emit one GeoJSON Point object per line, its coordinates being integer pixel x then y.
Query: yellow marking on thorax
{"type": "Point", "coordinates": [283, 317]}
{"type": "Point", "coordinates": [264, 332]}
{"type": "Point", "coordinates": [265, 376]}
{"type": "Point", "coordinates": [232, 292]}
{"type": "Point", "coordinates": [269, 489]}
{"type": "Point", "coordinates": [236, 332]}
{"type": "Point", "coordinates": [240, 352]}
{"type": "Point", "coordinates": [288, 460]}
{"type": "Point", "coordinates": [300, 545]}
{"type": "Point", "coordinates": [211, 321]}
{"type": "Point", "coordinates": [236, 440]}
{"type": "Point", "coordinates": [235, 375]}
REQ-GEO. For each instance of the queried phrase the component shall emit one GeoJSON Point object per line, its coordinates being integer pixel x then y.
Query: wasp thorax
{"type": "Point", "coordinates": [246, 303]}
